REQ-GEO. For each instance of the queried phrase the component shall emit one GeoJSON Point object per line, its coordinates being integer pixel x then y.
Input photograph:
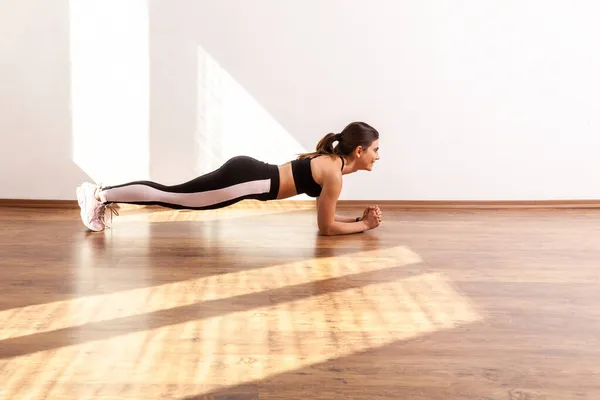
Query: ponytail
{"type": "Point", "coordinates": [325, 146]}
{"type": "Point", "coordinates": [354, 134]}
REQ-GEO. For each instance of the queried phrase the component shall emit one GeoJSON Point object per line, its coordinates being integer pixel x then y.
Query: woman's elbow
{"type": "Point", "coordinates": [326, 230]}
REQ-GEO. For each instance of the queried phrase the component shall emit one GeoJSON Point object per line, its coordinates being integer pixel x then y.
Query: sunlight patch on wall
{"type": "Point", "coordinates": [232, 122]}
{"type": "Point", "coordinates": [110, 88]}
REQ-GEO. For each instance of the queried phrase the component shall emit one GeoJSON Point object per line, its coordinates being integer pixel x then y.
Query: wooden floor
{"type": "Point", "coordinates": [244, 304]}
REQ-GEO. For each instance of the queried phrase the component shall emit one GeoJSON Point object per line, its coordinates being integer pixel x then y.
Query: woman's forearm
{"type": "Point", "coordinates": [342, 228]}
{"type": "Point", "coordinates": [342, 218]}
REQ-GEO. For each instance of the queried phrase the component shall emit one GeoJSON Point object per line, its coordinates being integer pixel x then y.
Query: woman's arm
{"type": "Point", "coordinates": [326, 217]}
{"type": "Point", "coordinates": [341, 218]}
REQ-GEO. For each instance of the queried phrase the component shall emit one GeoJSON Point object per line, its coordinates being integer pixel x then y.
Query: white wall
{"type": "Point", "coordinates": [474, 99]}
{"type": "Point", "coordinates": [35, 123]}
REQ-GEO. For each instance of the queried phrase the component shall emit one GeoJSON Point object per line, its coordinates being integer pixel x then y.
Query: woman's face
{"type": "Point", "coordinates": [369, 156]}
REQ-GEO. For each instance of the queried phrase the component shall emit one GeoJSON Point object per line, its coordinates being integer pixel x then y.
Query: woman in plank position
{"type": "Point", "coordinates": [318, 174]}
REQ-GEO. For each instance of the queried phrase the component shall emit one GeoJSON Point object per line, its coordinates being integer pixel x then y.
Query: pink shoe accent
{"type": "Point", "coordinates": [92, 211]}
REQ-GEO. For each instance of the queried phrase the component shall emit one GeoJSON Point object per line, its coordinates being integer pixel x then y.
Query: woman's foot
{"type": "Point", "coordinates": [92, 210]}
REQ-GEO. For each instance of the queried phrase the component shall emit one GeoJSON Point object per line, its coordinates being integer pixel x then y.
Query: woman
{"type": "Point", "coordinates": [318, 174]}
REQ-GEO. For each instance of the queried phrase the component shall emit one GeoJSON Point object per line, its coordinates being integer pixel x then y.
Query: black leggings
{"type": "Point", "coordinates": [240, 178]}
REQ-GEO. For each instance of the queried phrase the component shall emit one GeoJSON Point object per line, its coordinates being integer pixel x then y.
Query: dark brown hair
{"type": "Point", "coordinates": [354, 134]}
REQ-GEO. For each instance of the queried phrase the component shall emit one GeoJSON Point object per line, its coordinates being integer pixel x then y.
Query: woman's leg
{"type": "Point", "coordinates": [239, 178]}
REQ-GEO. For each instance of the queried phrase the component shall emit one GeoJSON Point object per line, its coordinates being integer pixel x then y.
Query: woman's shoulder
{"type": "Point", "coordinates": [331, 162]}
{"type": "Point", "coordinates": [327, 168]}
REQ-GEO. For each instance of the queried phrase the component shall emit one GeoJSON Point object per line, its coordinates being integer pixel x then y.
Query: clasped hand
{"type": "Point", "coordinates": [373, 216]}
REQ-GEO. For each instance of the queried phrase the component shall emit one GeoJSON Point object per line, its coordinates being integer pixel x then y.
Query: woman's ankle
{"type": "Point", "coordinates": [100, 196]}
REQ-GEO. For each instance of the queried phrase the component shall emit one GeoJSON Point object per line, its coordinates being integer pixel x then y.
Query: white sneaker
{"type": "Point", "coordinates": [92, 211]}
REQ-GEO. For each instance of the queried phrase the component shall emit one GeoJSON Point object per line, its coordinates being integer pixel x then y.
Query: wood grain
{"type": "Point", "coordinates": [250, 303]}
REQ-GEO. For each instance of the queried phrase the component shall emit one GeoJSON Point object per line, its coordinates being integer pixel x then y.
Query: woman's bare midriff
{"type": "Point", "coordinates": [287, 187]}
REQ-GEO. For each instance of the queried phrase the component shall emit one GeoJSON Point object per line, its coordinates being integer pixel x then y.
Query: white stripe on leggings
{"type": "Point", "coordinates": [143, 193]}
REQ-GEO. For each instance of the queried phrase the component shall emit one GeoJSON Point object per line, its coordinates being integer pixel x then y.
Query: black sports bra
{"type": "Point", "coordinates": [303, 178]}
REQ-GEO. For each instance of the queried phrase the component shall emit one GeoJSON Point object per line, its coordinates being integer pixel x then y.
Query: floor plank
{"type": "Point", "coordinates": [248, 303]}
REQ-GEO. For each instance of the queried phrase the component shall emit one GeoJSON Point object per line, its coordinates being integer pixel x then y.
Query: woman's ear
{"type": "Point", "coordinates": [358, 151]}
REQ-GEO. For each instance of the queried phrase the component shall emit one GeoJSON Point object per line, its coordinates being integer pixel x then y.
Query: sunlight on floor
{"type": "Point", "coordinates": [245, 209]}
{"type": "Point", "coordinates": [229, 329]}
{"type": "Point", "coordinates": [90, 309]}
{"type": "Point", "coordinates": [241, 347]}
